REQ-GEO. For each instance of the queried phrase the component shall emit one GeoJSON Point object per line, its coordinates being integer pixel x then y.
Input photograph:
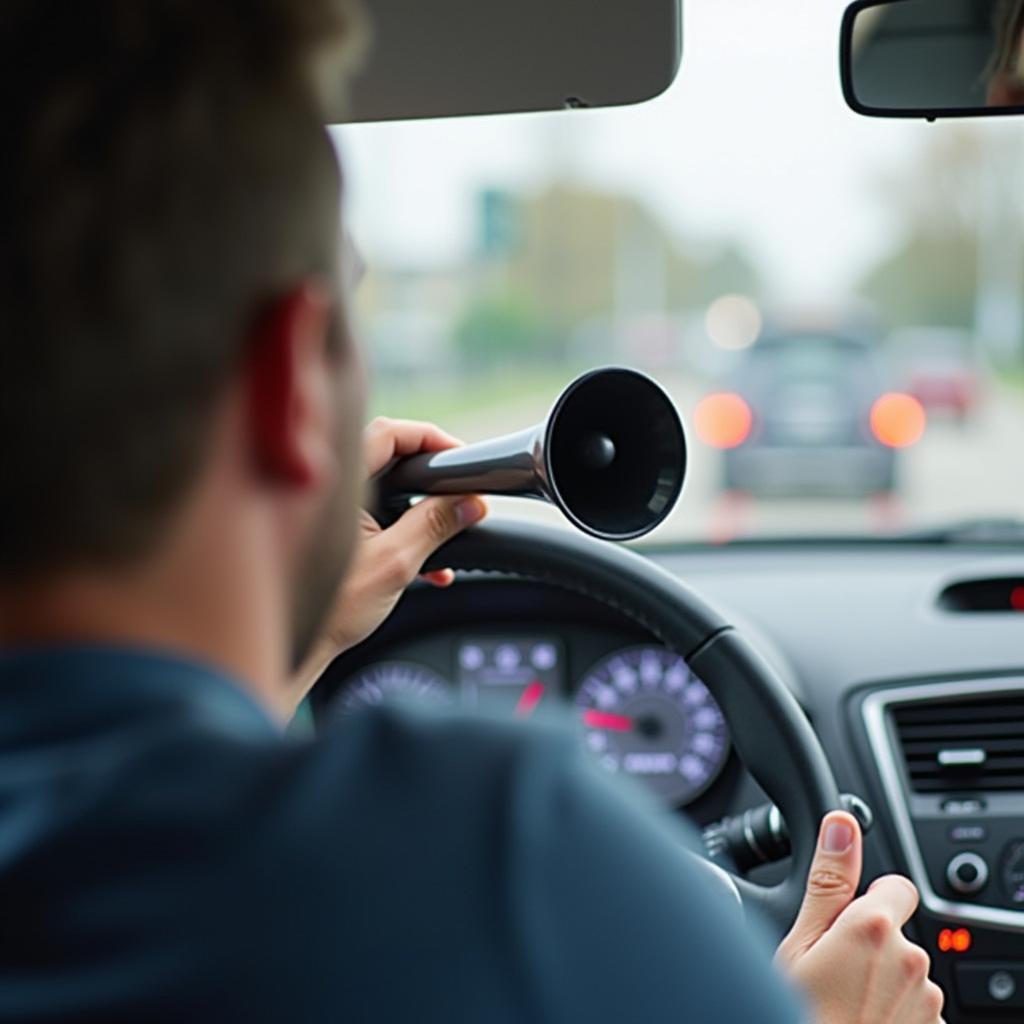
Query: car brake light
{"type": "Point", "coordinates": [898, 420]}
{"type": "Point", "coordinates": [723, 420]}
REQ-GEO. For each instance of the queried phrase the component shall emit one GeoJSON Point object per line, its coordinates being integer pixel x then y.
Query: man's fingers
{"type": "Point", "coordinates": [891, 896]}
{"type": "Point", "coordinates": [388, 439]}
{"type": "Point", "coordinates": [426, 526]}
{"type": "Point", "coordinates": [831, 883]}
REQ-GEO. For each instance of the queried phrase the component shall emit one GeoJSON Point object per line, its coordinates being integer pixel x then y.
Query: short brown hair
{"type": "Point", "coordinates": [166, 173]}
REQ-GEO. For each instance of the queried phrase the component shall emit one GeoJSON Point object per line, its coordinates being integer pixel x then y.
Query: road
{"type": "Point", "coordinates": [953, 473]}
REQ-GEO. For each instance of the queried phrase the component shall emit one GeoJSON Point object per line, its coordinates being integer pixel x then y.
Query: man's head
{"type": "Point", "coordinates": [174, 333]}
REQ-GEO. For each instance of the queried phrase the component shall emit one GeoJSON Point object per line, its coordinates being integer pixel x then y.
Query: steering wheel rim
{"type": "Point", "coordinates": [768, 727]}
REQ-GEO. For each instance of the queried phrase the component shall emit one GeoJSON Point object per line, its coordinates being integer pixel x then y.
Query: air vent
{"type": "Point", "coordinates": [963, 746]}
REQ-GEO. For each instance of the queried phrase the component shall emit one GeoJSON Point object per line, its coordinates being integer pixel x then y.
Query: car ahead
{"type": "Point", "coordinates": [810, 412]}
{"type": "Point", "coordinates": [940, 367]}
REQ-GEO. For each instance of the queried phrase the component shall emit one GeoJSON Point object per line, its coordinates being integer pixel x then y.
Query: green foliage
{"type": "Point", "coordinates": [956, 204]}
{"type": "Point", "coordinates": [497, 329]}
{"type": "Point", "coordinates": [1014, 376]}
{"type": "Point", "coordinates": [930, 279]}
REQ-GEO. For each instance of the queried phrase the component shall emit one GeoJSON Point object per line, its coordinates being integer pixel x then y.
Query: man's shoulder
{"type": "Point", "coordinates": [441, 783]}
{"type": "Point", "coordinates": [415, 746]}
{"type": "Point", "coordinates": [401, 792]}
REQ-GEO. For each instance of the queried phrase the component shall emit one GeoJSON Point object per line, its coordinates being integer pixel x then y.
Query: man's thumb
{"type": "Point", "coordinates": [431, 522]}
{"type": "Point", "coordinates": [831, 883]}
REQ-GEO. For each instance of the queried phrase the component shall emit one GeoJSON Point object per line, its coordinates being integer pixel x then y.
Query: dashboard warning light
{"type": "Point", "coordinates": [956, 940]}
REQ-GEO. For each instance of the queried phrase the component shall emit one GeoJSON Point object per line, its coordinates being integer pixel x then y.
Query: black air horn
{"type": "Point", "coordinates": [611, 455]}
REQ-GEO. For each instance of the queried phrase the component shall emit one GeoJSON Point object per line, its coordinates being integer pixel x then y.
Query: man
{"type": "Point", "coordinates": [181, 472]}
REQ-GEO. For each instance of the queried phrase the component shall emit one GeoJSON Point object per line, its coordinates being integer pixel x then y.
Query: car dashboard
{"type": "Point", "coordinates": [908, 658]}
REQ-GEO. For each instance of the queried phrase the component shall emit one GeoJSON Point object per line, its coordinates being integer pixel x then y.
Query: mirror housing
{"type": "Point", "coordinates": [448, 58]}
{"type": "Point", "coordinates": [933, 58]}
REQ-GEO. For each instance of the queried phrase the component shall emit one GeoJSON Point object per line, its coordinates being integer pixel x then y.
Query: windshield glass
{"type": "Point", "coordinates": [835, 303]}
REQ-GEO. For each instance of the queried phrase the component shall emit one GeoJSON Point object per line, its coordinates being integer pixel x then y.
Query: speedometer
{"type": "Point", "coordinates": [647, 715]}
{"type": "Point", "coordinates": [391, 680]}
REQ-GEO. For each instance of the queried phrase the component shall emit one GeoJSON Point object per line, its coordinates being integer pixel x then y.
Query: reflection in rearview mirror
{"type": "Point", "coordinates": [934, 58]}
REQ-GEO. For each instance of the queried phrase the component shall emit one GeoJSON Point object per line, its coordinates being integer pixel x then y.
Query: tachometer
{"type": "Point", "coordinates": [391, 680]}
{"type": "Point", "coordinates": [647, 715]}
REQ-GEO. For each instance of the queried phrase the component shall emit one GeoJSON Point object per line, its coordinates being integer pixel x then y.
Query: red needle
{"type": "Point", "coordinates": [530, 698]}
{"type": "Point", "coordinates": [606, 720]}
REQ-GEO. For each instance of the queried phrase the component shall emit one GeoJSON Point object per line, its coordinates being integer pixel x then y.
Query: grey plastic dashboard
{"type": "Point", "coordinates": [853, 614]}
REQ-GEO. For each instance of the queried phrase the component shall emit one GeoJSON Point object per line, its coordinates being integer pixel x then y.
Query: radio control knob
{"type": "Point", "coordinates": [967, 873]}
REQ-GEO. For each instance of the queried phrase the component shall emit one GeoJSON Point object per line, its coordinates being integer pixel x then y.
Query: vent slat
{"type": "Point", "coordinates": [957, 777]}
{"type": "Point", "coordinates": [983, 711]}
{"type": "Point", "coordinates": [995, 726]}
{"type": "Point", "coordinates": [1002, 744]}
{"type": "Point", "coordinates": [951, 730]}
{"type": "Point", "coordinates": [1009, 785]}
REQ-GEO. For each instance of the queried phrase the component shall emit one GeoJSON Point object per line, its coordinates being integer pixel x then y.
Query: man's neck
{"type": "Point", "coordinates": [222, 615]}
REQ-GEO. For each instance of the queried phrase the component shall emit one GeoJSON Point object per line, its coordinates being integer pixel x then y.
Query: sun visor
{"type": "Point", "coordinates": [446, 58]}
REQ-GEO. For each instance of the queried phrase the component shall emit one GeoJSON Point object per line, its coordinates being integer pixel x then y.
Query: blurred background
{"type": "Point", "coordinates": [835, 303]}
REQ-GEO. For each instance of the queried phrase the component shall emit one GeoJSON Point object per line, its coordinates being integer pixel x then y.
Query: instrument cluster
{"type": "Point", "coordinates": [639, 709]}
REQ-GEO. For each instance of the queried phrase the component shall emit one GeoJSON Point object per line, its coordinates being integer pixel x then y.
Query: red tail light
{"type": "Point", "coordinates": [723, 420]}
{"type": "Point", "coordinates": [898, 420]}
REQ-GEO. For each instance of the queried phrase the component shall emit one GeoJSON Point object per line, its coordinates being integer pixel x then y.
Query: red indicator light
{"type": "Point", "coordinates": [956, 940]}
{"type": "Point", "coordinates": [723, 420]}
{"type": "Point", "coordinates": [1017, 599]}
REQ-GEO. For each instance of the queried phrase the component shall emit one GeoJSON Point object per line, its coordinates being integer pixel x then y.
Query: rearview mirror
{"type": "Point", "coordinates": [934, 58]}
{"type": "Point", "coordinates": [445, 58]}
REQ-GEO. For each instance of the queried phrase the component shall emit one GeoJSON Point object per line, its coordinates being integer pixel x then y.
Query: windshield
{"type": "Point", "coordinates": [836, 304]}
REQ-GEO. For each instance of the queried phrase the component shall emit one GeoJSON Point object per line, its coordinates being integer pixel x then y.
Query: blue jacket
{"type": "Point", "coordinates": [167, 854]}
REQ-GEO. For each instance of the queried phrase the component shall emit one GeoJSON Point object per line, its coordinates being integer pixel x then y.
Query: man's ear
{"type": "Point", "coordinates": [290, 388]}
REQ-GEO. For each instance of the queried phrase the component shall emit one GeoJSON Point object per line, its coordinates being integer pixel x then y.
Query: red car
{"type": "Point", "coordinates": [940, 368]}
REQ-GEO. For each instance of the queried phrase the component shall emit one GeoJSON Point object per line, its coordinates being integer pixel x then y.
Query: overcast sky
{"type": "Point", "coordinates": [753, 143]}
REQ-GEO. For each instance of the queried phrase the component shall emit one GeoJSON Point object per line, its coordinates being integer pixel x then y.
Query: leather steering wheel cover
{"type": "Point", "coordinates": [771, 734]}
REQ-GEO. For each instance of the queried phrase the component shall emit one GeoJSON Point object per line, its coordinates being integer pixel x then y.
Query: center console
{"type": "Point", "coordinates": [950, 761]}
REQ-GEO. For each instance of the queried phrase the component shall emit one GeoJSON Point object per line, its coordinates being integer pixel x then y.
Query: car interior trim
{"type": "Point", "coordinates": [875, 711]}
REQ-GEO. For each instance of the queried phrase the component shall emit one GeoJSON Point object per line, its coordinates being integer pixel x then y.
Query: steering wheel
{"type": "Point", "coordinates": [769, 729]}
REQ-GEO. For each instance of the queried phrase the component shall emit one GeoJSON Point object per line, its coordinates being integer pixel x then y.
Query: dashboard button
{"type": "Point", "coordinates": [968, 834]}
{"type": "Point", "coordinates": [967, 873]}
{"type": "Point", "coordinates": [963, 805]}
{"type": "Point", "coordinates": [1001, 986]}
{"type": "Point", "coordinates": [990, 986]}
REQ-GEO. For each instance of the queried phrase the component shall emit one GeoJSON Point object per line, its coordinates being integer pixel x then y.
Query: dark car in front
{"type": "Point", "coordinates": [810, 411]}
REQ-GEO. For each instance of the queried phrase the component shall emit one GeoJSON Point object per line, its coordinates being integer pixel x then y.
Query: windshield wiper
{"type": "Point", "coordinates": [991, 530]}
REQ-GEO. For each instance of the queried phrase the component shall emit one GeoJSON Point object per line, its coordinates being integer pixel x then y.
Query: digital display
{"type": "Point", "coordinates": [517, 675]}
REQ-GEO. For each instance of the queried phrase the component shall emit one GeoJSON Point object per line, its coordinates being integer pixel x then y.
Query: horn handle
{"type": "Point", "coordinates": [512, 464]}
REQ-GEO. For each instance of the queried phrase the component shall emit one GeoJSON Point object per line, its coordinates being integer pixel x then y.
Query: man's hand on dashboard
{"type": "Point", "coordinates": [849, 955]}
{"type": "Point", "coordinates": [385, 562]}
